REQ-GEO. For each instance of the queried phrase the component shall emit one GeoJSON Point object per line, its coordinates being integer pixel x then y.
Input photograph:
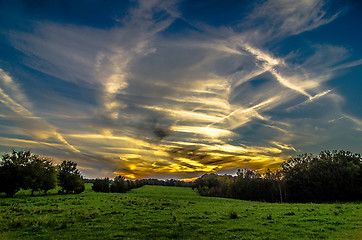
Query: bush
{"type": "Point", "coordinates": [101, 185]}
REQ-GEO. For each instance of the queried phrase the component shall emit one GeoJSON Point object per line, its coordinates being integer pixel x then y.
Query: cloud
{"type": "Point", "coordinates": [349, 65]}
{"type": "Point", "coordinates": [34, 126]}
{"type": "Point", "coordinates": [150, 102]}
{"type": "Point", "coordinates": [282, 17]}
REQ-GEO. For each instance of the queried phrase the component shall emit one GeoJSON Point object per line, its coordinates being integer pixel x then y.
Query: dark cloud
{"type": "Point", "coordinates": [158, 92]}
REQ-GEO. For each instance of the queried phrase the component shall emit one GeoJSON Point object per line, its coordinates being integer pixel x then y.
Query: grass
{"type": "Point", "coordinates": [156, 212]}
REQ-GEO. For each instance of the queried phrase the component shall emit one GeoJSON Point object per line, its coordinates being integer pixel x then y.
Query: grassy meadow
{"type": "Point", "coordinates": [157, 212]}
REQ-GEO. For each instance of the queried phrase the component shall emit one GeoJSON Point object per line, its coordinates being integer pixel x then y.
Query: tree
{"type": "Point", "coordinates": [119, 185]}
{"type": "Point", "coordinates": [70, 178]}
{"type": "Point", "coordinates": [101, 185]}
{"type": "Point", "coordinates": [296, 172]}
{"type": "Point", "coordinates": [331, 176]}
{"type": "Point", "coordinates": [12, 171]}
{"type": "Point", "coordinates": [39, 174]}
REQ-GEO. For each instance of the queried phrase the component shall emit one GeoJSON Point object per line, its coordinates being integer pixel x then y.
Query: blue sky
{"type": "Point", "coordinates": [175, 89]}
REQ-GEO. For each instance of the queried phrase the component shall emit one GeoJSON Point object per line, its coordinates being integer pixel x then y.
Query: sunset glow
{"type": "Point", "coordinates": [176, 89]}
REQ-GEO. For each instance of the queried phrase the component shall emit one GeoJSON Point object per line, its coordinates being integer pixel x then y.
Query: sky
{"type": "Point", "coordinates": [177, 89]}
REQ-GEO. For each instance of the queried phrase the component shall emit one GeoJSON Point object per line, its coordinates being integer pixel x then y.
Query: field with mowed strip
{"type": "Point", "coordinates": [158, 212]}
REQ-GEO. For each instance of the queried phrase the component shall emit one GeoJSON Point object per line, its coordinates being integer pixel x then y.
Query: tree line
{"type": "Point", "coordinates": [329, 176]}
{"type": "Point", "coordinates": [122, 185]}
{"type": "Point", "coordinates": [119, 184]}
{"type": "Point", "coordinates": [24, 170]}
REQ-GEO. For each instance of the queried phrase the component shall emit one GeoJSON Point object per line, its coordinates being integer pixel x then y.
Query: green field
{"type": "Point", "coordinates": [156, 212]}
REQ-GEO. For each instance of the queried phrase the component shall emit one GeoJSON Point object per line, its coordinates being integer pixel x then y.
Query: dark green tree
{"type": "Point", "coordinates": [39, 174]}
{"type": "Point", "coordinates": [119, 185]}
{"type": "Point", "coordinates": [12, 171]}
{"type": "Point", "coordinates": [331, 176]}
{"type": "Point", "coordinates": [101, 185]}
{"type": "Point", "coordinates": [296, 172]}
{"type": "Point", "coordinates": [69, 177]}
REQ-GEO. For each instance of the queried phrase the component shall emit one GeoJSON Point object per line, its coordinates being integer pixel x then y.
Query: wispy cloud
{"type": "Point", "coordinates": [282, 17]}
{"type": "Point", "coordinates": [36, 127]}
{"type": "Point", "coordinates": [148, 101]}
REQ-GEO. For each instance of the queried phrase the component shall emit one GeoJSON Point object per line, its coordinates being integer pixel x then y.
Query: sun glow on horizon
{"type": "Point", "coordinates": [155, 88]}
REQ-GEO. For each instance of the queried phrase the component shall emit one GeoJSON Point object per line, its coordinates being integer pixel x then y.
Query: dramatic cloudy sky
{"type": "Point", "coordinates": [175, 89]}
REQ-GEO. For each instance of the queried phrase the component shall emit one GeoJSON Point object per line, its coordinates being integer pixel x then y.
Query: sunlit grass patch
{"type": "Point", "coordinates": [156, 212]}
